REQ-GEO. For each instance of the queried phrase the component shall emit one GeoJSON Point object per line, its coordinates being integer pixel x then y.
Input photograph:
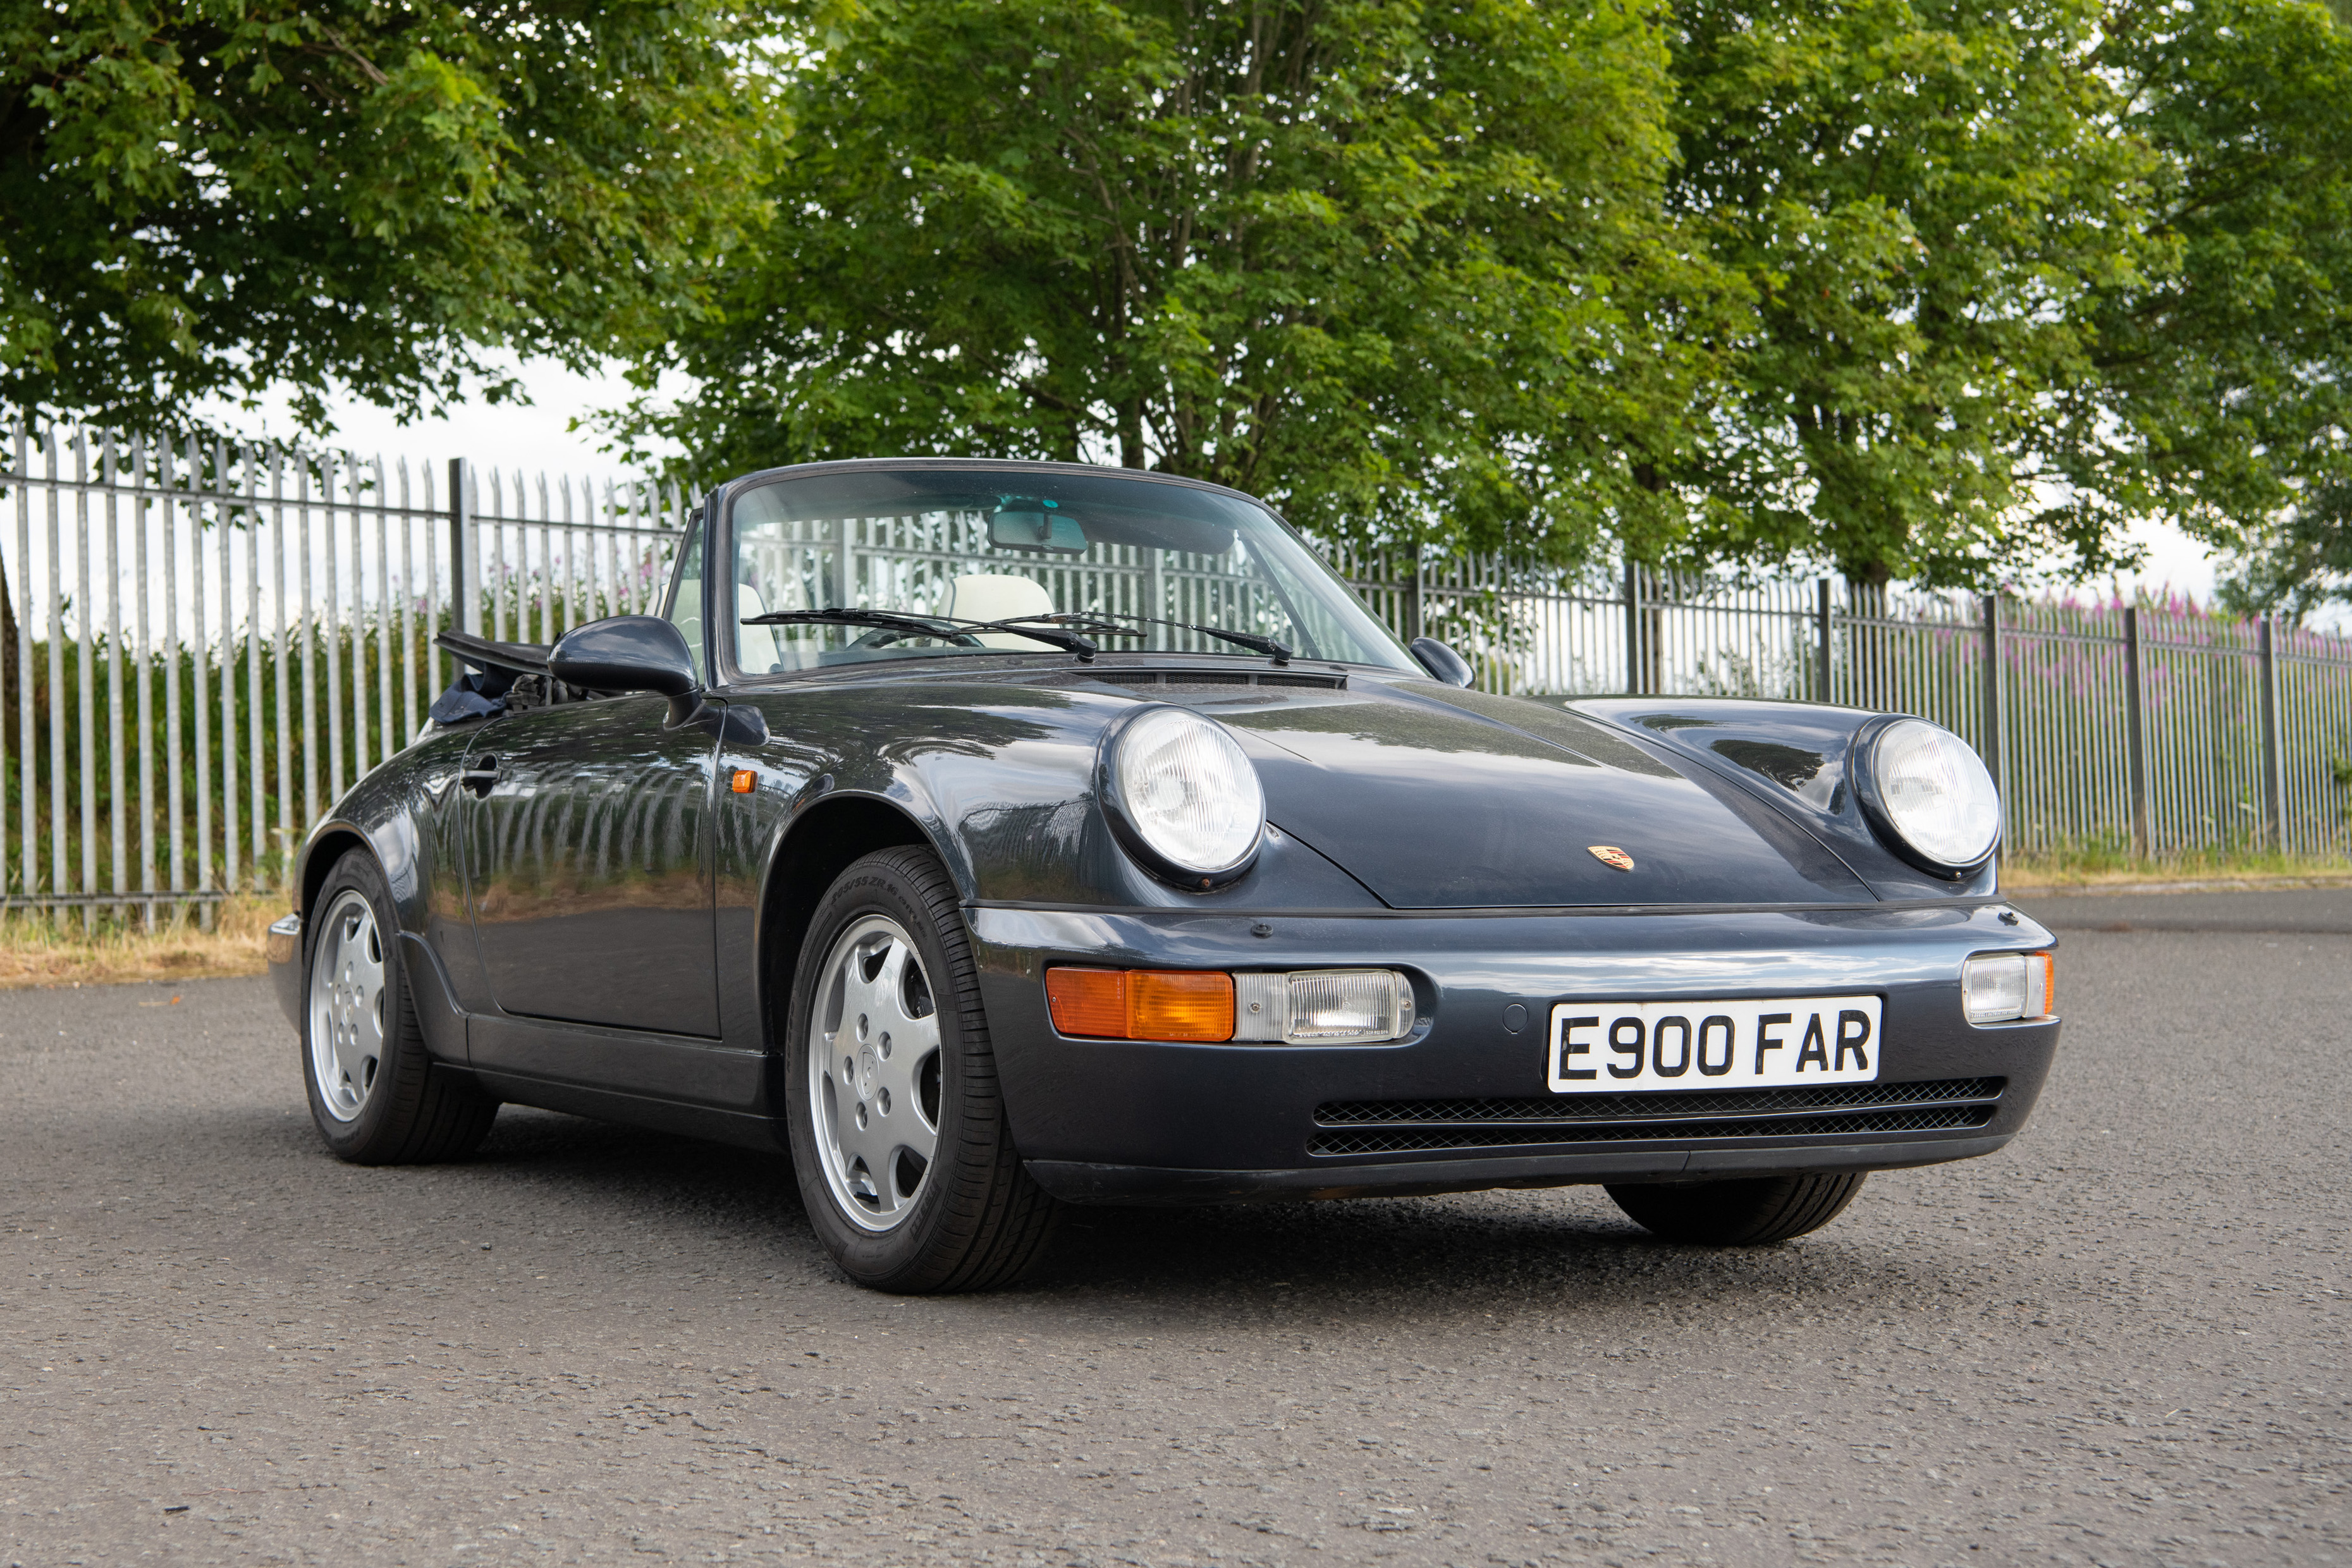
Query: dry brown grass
{"type": "Point", "coordinates": [35, 951]}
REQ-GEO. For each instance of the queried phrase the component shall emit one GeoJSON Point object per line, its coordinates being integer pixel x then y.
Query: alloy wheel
{"type": "Point", "coordinates": [874, 1073]}
{"type": "Point", "coordinates": [347, 1004]}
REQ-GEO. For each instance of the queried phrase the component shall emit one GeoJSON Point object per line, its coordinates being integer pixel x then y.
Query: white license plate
{"type": "Point", "coordinates": [1614, 1047]}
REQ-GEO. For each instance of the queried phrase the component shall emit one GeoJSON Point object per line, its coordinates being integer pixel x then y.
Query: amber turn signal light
{"type": "Point", "coordinates": [1142, 1004]}
{"type": "Point", "coordinates": [744, 781]}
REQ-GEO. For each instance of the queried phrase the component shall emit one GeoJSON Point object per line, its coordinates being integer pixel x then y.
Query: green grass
{"type": "Point", "coordinates": [2108, 861]}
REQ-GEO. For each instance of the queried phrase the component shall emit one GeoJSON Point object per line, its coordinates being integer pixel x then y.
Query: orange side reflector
{"type": "Point", "coordinates": [1142, 1003]}
{"type": "Point", "coordinates": [1089, 1001]}
{"type": "Point", "coordinates": [745, 780]}
{"type": "Point", "coordinates": [2049, 984]}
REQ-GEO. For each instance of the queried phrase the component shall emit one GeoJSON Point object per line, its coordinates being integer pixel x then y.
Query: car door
{"type": "Point", "coordinates": [587, 849]}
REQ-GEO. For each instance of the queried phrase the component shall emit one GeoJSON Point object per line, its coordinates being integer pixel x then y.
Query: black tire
{"type": "Point", "coordinates": [973, 1220]}
{"type": "Point", "coordinates": [414, 1110]}
{"type": "Point", "coordinates": [1747, 1213]}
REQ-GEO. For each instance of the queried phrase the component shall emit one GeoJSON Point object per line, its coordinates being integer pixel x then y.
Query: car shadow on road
{"type": "Point", "coordinates": [1499, 1253]}
{"type": "Point", "coordinates": [1489, 1252]}
{"type": "Point", "coordinates": [1469, 1251]}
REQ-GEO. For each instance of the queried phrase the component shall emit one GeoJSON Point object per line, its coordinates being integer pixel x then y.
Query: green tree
{"type": "Point", "coordinates": [212, 196]}
{"type": "Point", "coordinates": [1928, 199]}
{"type": "Point", "coordinates": [2228, 378]}
{"type": "Point", "coordinates": [1402, 266]}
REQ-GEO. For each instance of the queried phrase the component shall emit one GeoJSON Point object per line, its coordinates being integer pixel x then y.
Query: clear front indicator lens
{"type": "Point", "coordinates": [1189, 791]}
{"type": "Point", "coordinates": [1936, 793]}
{"type": "Point", "coordinates": [2002, 987]}
{"type": "Point", "coordinates": [1323, 1006]}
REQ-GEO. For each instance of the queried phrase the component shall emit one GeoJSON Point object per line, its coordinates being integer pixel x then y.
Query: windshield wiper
{"type": "Point", "coordinates": [1105, 621]}
{"type": "Point", "coordinates": [945, 627]}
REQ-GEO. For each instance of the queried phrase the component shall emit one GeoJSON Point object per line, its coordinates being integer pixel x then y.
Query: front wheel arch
{"type": "Point", "coordinates": [816, 848]}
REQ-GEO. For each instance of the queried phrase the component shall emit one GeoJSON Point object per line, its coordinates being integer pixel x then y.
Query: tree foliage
{"type": "Point", "coordinates": [1927, 198]}
{"type": "Point", "coordinates": [2025, 276]}
{"type": "Point", "coordinates": [1402, 266]}
{"type": "Point", "coordinates": [212, 196]}
{"type": "Point", "coordinates": [2233, 367]}
{"type": "Point", "coordinates": [1906, 286]}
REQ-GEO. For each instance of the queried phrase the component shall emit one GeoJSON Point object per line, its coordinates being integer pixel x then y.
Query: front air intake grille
{"type": "Point", "coordinates": [1558, 1107]}
{"type": "Point", "coordinates": [1372, 1127]}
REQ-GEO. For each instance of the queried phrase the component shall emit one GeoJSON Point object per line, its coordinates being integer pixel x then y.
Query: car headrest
{"type": "Point", "coordinates": [981, 596]}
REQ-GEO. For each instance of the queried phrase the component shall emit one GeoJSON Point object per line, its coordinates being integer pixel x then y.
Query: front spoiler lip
{"type": "Point", "coordinates": [1079, 1181]}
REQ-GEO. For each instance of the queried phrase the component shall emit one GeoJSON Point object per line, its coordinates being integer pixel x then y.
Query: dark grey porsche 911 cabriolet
{"type": "Point", "coordinates": [993, 837]}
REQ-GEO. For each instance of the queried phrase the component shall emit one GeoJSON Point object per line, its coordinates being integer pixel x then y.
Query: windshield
{"type": "Point", "coordinates": [996, 544]}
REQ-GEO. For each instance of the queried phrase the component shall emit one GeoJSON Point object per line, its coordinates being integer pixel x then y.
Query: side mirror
{"type": "Point", "coordinates": [1442, 662]}
{"type": "Point", "coordinates": [631, 653]}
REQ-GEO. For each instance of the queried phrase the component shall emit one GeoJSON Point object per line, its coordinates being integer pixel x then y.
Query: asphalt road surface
{"type": "Point", "coordinates": [2123, 1340]}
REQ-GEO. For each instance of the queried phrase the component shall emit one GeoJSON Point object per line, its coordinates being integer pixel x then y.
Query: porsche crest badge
{"type": "Point", "coordinates": [1610, 855]}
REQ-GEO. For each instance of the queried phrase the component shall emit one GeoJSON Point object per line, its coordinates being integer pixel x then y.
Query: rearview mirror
{"type": "Point", "coordinates": [631, 653]}
{"type": "Point", "coordinates": [1036, 525]}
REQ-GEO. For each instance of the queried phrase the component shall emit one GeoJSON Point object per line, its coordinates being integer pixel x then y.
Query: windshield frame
{"type": "Point", "coordinates": [720, 543]}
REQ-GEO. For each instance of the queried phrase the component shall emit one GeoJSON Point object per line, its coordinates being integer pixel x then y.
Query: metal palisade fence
{"type": "Point", "coordinates": [2155, 729]}
{"type": "Point", "coordinates": [204, 644]}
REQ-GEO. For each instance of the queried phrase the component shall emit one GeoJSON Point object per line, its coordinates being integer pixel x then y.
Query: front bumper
{"type": "Point", "coordinates": [1461, 1103]}
{"type": "Point", "coordinates": [283, 944]}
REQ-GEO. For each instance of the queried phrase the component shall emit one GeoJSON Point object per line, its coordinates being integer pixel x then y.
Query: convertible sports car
{"type": "Point", "coordinates": [993, 837]}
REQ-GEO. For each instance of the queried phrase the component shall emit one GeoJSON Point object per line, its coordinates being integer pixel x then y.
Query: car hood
{"type": "Point", "coordinates": [1437, 798]}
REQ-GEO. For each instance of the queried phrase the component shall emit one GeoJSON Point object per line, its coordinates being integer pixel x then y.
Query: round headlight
{"type": "Point", "coordinates": [1932, 795]}
{"type": "Point", "coordinates": [1184, 796]}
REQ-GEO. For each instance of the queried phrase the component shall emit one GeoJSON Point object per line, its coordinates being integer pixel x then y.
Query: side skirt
{"type": "Point", "coordinates": [671, 1068]}
{"type": "Point", "coordinates": [745, 1130]}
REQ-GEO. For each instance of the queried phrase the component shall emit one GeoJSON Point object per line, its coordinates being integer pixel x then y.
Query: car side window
{"type": "Point", "coordinates": [686, 593]}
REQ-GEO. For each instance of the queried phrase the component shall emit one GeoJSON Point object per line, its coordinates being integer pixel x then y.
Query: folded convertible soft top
{"type": "Point", "coordinates": [519, 657]}
{"type": "Point", "coordinates": [489, 688]}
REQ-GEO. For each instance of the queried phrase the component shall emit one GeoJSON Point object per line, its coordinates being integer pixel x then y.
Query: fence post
{"type": "Point", "coordinates": [1990, 748]}
{"type": "Point", "coordinates": [2135, 737]}
{"type": "Point", "coordinates": [2274, 787]}
{"type": "Point", "coordinates": [1413, 622]}
{"type": "Point", "coordinates": [465, 602]}
{"type": "Point", "coordinates": [1632, 629]}
{"type": "Point", "coordinates": [1821, 587]}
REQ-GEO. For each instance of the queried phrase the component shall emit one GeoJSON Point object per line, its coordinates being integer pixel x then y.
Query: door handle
{"type": "Point", "coordinates": [481, 774]}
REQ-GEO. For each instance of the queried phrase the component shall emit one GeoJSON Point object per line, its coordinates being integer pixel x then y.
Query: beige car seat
{"type": "Point", "coordinates": [990, 597]}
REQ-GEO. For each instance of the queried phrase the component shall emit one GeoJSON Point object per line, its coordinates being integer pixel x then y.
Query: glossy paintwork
{"type": "Point", "coordinates": [1435, 803]}
{"type": "Point", "coordinates": [587, 866]}
{"type": "Point", "coordinates": [1412, 824]}
{"type": "Point", "coordinates": [1797, 755]}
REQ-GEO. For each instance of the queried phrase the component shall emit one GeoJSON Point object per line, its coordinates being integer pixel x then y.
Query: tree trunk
{"type": "Point", "coordinates": [1130, 432]}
